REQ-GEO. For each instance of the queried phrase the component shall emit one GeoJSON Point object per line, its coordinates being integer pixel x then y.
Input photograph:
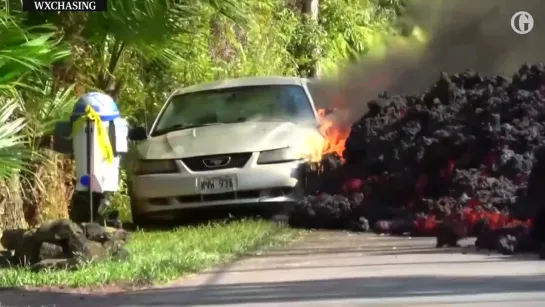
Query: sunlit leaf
{"type": "Point", "coordinates": [12, 150]}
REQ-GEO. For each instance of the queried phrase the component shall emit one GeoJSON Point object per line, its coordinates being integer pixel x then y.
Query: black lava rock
{"type": "Point", "coordinates": [469, 144]}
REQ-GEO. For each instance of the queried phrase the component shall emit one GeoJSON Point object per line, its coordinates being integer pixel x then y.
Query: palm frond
{"type": "Point", "coordinates": [55, 104]}
{"type": "Point", "coordinates": [26, 53]}
{"type": "Point", "coordinates": [12, 143]}
{"type": "Point", "coordinates": [28, 50]}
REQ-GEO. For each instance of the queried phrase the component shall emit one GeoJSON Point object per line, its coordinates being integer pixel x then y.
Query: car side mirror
{"type": "Point", "coordinates": [138, 133]}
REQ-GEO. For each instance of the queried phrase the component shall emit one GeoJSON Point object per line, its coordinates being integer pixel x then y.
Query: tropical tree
{"type": "Point", "coordinates": [148, 34]}
{"type": "Point", "coordinates": [26, 53]}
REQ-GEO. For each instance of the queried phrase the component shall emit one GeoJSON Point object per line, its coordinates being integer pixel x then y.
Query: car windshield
{"type": "Point", "coordinates": [237, 104]}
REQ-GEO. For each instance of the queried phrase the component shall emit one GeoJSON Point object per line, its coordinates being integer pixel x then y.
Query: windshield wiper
{"type": "Point", "coordinates": [180, 127]}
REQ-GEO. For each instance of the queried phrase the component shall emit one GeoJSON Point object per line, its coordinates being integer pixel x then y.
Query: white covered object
{"type": "Point", "coordinates": [105, 174]}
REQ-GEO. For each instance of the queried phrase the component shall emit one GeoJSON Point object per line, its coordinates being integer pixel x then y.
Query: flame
{"type": "Point", "coordinates": [335, 134]}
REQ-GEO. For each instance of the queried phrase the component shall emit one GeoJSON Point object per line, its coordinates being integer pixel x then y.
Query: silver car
{"type": "Point", "coordinates": [232, 142]}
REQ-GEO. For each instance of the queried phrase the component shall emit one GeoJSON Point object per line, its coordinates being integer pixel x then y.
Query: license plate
{"type": "Point", "coordinates": [217, 185]}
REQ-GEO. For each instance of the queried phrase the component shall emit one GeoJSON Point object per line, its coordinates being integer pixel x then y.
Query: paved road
{"type": "Point", "coordinates": [339, 269]}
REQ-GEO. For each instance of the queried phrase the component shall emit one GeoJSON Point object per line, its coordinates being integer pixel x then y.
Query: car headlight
{"type": "Point", "coordinates": [277, 156]}
{"type": "Point", "coordinates": [147, 167]}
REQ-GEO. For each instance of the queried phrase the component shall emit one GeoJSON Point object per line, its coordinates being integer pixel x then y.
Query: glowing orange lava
{"type": "Point", "coordinates": [335, 135]}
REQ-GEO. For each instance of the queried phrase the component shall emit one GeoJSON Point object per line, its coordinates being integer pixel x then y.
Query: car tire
{"type": "Point", "coordinates": [281, 215]}
{"type": "Point", "coordinates": [299, 192]}
{"type": "Point", "coordinates": [138, 220]}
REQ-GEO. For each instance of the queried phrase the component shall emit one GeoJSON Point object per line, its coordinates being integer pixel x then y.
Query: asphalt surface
{"type": "Point", "coordinates": [338, 269]}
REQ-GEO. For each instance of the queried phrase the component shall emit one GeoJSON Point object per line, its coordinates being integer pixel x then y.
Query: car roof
{"type": "Point", "coordinates": [238, 82]}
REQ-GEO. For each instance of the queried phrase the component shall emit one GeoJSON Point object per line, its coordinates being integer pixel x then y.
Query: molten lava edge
{"type": "Point", "coordinates": [462, 158]}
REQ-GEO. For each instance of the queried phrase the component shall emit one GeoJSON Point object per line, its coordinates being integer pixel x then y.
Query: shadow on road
{"type": "Point", "coordinates": [331, 266]}
{"type": "Point", "coordinates": [285, 292]}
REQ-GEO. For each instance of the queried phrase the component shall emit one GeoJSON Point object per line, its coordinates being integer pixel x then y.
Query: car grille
{"type": "Point", "coordinates": [198, 164]}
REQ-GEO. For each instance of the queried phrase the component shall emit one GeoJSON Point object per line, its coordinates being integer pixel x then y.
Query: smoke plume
{"type": "Point", "coordinates": [463, 34]}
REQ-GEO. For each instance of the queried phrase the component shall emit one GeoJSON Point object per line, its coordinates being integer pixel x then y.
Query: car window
{"type": "Point", "coordinates": [238, 104]}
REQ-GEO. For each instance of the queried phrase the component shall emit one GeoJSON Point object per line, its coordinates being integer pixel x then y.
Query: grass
{"type": "Point", "coordinates": [162, 256]}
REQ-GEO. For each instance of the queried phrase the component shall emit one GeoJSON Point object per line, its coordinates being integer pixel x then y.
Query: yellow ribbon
{"type": "Point", "coordinates": [102, 134]}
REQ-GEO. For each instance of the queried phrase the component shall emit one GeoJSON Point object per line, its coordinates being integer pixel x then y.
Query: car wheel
{"type": "Point", "coordinates": [299, 192]}
{"type": "Point", "coordinates": [138, 220]}
{"type": "Point", "coordinates": [282, 214]}
{"type": "Point", "coordinates": [142, 222]}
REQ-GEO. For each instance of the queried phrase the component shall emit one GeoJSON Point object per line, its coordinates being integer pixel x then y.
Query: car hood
{"type": "Point", "coordinates": [225, 138]}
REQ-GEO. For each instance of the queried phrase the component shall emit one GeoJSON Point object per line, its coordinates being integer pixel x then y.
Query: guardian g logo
{"type": "Point", "coordinates": [522, 22]}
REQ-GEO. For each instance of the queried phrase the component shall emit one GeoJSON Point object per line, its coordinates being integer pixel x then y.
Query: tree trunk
{"type": "Point", "coordinates": [11, 205]}
{"type": "Point", "coordinates": [310, 10]}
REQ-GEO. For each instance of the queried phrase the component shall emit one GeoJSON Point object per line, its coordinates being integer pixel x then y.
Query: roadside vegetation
{"type": "Point", "coordinates": [162, 256]}
{"type": "Point", "coordinates": [138, 52]}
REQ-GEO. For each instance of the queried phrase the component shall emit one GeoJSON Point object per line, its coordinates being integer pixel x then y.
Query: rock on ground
{"type": "Point", "coordinates": [64, 244]}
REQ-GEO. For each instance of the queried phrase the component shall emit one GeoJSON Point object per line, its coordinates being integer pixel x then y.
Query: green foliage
{"type": "Point", "coordinates": [25, 54]}
{"type": "Point", "coordinates": [159, 257]}
{"type": "Point", "coordinates": [24, 51]}
{"type": "Point", "coordinates": [141, 51]}
{"type": "Point", "coordinates": [11, 141]}
{"type": "Point", "coordinates": [54, 104]}
{"type": "Point", "coordinates": [223, 48]}
{"type": "Point", "coordinates": [353, 28]}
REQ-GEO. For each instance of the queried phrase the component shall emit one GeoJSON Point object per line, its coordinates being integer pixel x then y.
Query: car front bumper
{"type": "Point", "coordinates": [256, 184]}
